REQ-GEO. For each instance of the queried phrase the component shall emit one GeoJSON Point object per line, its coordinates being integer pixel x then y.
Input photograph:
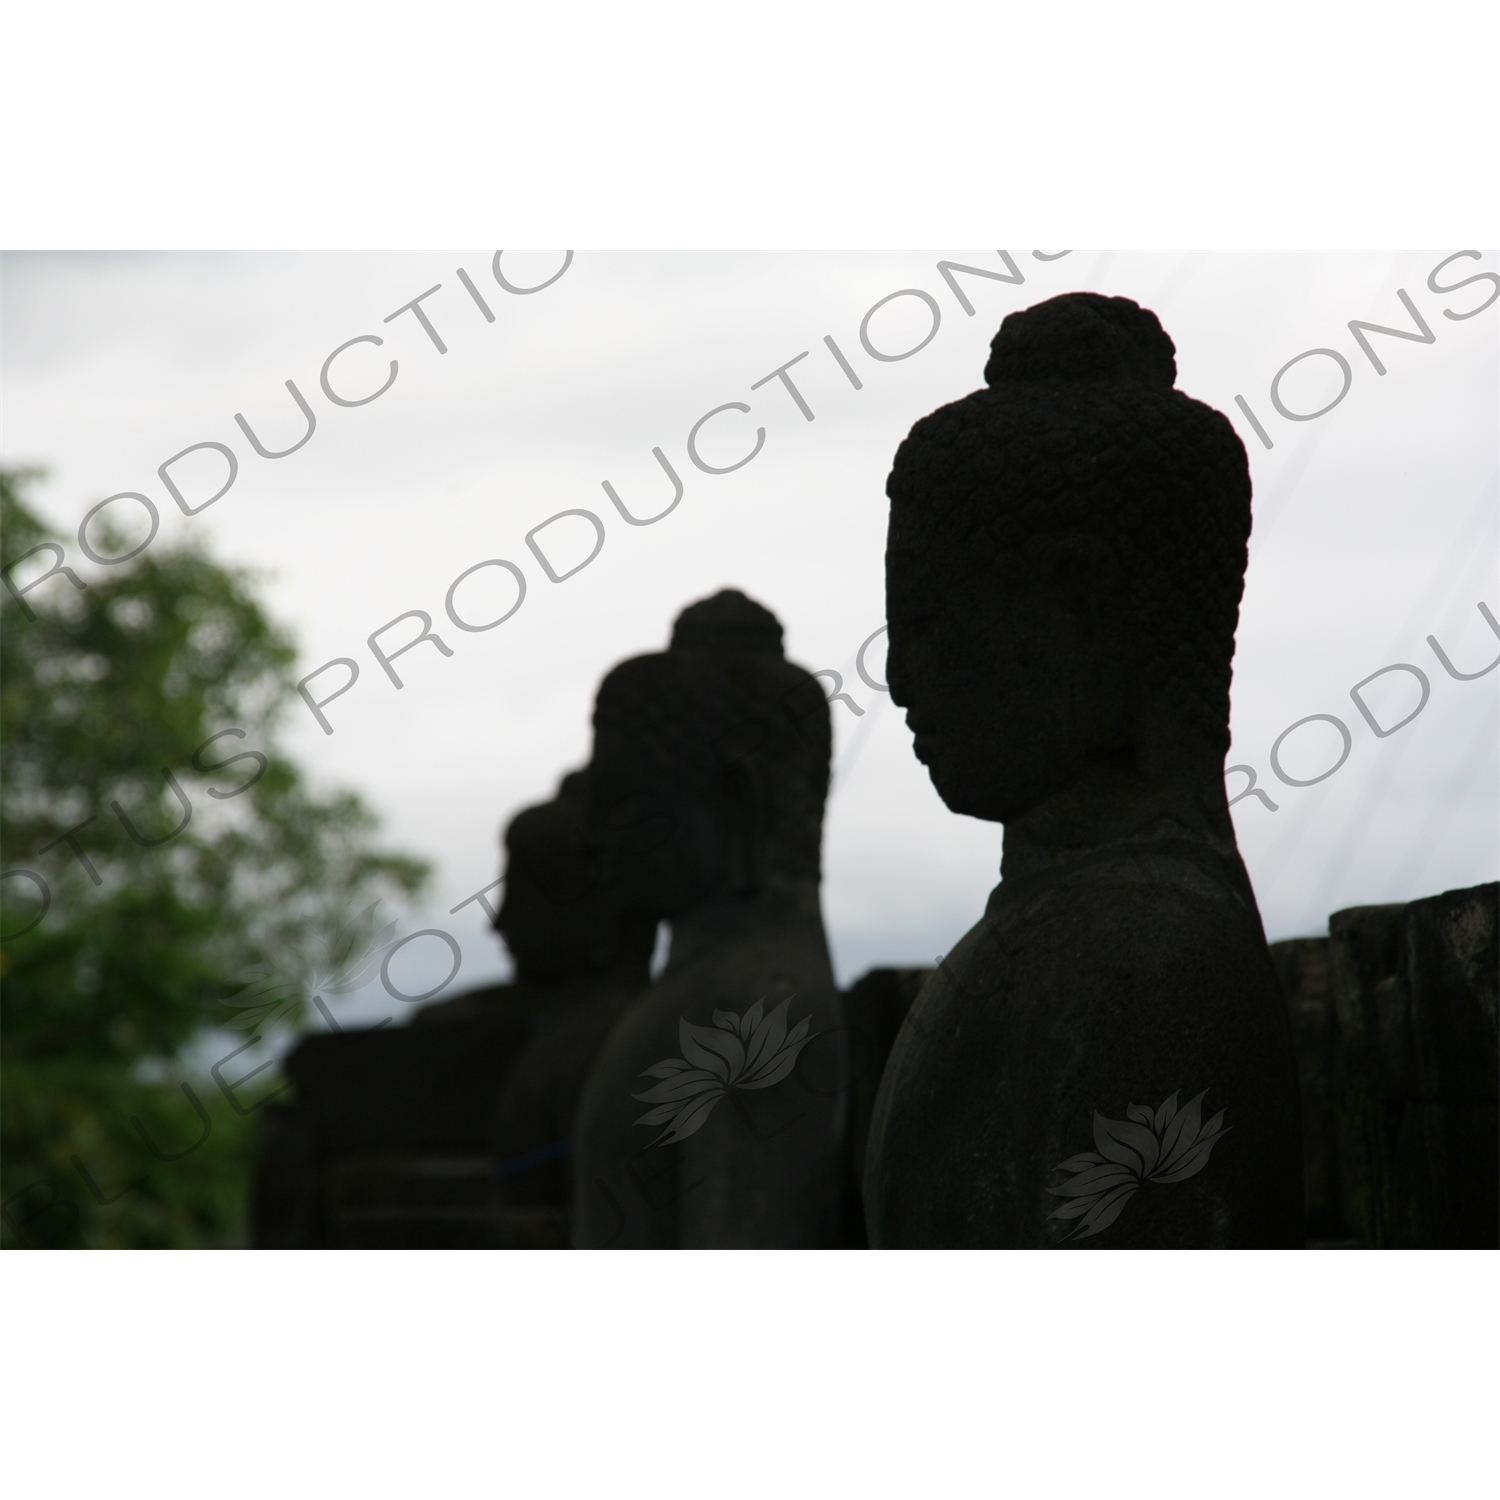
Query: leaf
{"type": "Point", "coordinates": [1076, 1208]}
{"type": "Point", "coordinates": [714, 1058]}
{"type": "Point", "coordinates": [706, 1047]}
{"type": "Point", "coordinates": [254, 972]}
{"type": "Point", "coordinates": [1140, 1113]}
{"type": "Point", "coordinates": [660, 1114]}
{"type": "Point", "coordinates": [774, 1066]}
{"type": "Point", "coordinates": [683, 1086]}
{"type": "Point", "coordinates": [349, 952]}
{"type": "Point", "coordinates": [1193, 1161]}
{"type": "Point", "coordinates": [361, 922]}
{"type": "Point", "coordinates": [766, 1039]}
{"type": "Point", "coordinates": [751, 1019]}
{"type": "Point", "coordinates": [1124, 1141]}
{"type": "Point", "coordinates": [1182, 1134]}
{"type": "Point", "coordinates": [1096, 1179]}
{"type": "Point", "coordinates": [250, 1020]}
{"type": "Point", "coordinates": [667, 1069]}
{"type": "Point", "coordinates": [689, 1120]}
{"type": "Point", "coordinates": [1079, 1162]}
{"type": "Point", "coordinates": [262, 987]}
{"type": "Point", "coordinates": [1104, 1213]}
{"type": "Point", "coordinates": [777, 1068]}
{"type": "Point", "coordinates": [1165, 1113]}
{"type": "Point", "coordinates": [342, 982]}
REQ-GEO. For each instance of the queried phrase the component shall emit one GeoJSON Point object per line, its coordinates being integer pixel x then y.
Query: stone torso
{"type": "Point", "coordinates": [532, 1127]}
{"type": "Point", "coordinates": [1103, 986]}
{"type": "Point", "coordinates": [766, 1166]}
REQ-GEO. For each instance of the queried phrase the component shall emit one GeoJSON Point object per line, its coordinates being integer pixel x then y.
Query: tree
{"type": "Point", "coordinates": [169, 851]}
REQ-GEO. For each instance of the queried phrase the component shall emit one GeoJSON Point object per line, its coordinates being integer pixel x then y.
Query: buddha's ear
{"type": "Point", "coordinates": [1080, 573]}
{"type": "Point", "coordinates": [744, 802]}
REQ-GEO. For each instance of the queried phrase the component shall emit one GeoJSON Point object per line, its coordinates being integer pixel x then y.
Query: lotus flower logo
{"type": "Point", "coordinates": [1166, 1146]}
{"type": "Point", "coordinates": [742, 1052]}
{"type": "Point", "coordinates": [340, 958]}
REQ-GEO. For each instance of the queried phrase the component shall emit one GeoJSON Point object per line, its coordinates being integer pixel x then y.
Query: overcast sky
{"type": "Point", "coordinates": [1375, 524]}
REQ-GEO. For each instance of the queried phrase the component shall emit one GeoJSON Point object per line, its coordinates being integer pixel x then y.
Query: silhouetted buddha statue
{"type": "Point", "coordinates": [566, 939]}
{"type": "Point", "coordinates": [1105, 1058]}
{"type": "Point", "coordinates": [716, 1113]}
{"type": "Point", "coordinates": [580, 961]}
{"type": "Point", "coordinates": [390, 1141]}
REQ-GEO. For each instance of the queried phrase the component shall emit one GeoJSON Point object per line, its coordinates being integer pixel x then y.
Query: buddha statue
{"type": "Point", "coordinates": [580, 961]}
{"type": "Point", "coordinates": [1104, 1059]}
{"type": "Point", "coordinates": [567, 940]}
{"type": "Point", "coordinates": [453, 1132]}
{"type": "Point", "coordinates": [716, 1114]}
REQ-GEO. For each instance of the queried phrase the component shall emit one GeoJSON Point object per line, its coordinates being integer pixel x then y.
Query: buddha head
{"type": "Point", "coordinates": [557, 918]}
{"type": "Point", "coordinates": [710, 763]}
{"type": "Point", "coordinates": [1064, 566]}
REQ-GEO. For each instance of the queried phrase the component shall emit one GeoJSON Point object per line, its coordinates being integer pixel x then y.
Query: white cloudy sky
{"type": "Point", "coordinates": [1375, 525]}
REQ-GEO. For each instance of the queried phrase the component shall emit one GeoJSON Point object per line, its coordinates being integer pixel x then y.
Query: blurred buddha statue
{"type": "Point", "coordinates": [717, 1112]}
{"type": "Point", "coordinates": [566, 939]}
{"type": "Point", "coordinates": [580, 960]}
{"type": "Point", "coordinates": [392, 1140]}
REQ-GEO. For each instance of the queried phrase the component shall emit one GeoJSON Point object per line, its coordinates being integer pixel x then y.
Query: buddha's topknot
{"type": "Point", "coordinates": [1081, 336]}
{"type": "Point", "coordinates": [724, 694]}
{"type": "Point", "coordinates": [1081, 430]}
{"type": "Point", "coordinates": [549, 842]}
{"type": "Point", "coordinates": [728, 621]}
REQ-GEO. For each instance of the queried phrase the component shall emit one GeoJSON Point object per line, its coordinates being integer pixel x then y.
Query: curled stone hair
{"type": "Point", "coordinates": [723, 700]}
{"type": "Point", "coordinates": [725, 623]}
{"type": "Point", "coordinates": [550, 840]}
{"type": "Point", "coordinates": [1081, 431]}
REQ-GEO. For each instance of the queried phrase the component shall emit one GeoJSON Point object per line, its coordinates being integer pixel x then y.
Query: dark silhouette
{"type": "Point", "coordinates": [1394, 1016]}
{"type": "Point", "coordinates": [1105, 1058]}
{"type": "Point", "coordinates": [707, 785]}
{"type": "Point", "coordinates": [390, 1140]}
{"type": "Point", "coordinates": [875, 1006]}
{"type": "Point", "coordinates": [1414, 988]}
{"type": "Point", "coordinates": [388, 1136]}
{"type": "Point", "coordinates": [567, 940]}
{"type": "Point", "coordinates": [1329, 1153]}
{"type": "Point", "coordinates": [581, 961]}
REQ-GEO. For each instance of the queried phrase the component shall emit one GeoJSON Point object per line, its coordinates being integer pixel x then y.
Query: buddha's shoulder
{"type": "Point", "coordinates": [1131, 916]}
{"type": "Point", "coordinates": [1130, 896]}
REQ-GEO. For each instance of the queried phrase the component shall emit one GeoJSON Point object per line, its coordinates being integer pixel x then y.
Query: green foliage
{"type": "Point", "coordinates": [111, 1002]}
